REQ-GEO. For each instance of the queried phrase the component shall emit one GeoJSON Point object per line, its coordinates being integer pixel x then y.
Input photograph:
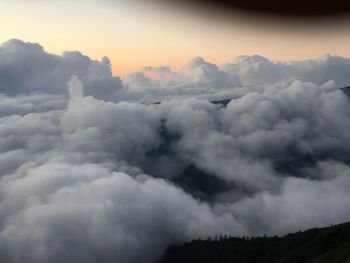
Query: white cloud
{"type": "Point", "coordinates": [89, 173]}
{"type": "Point", "coordinates": [26, 68]}
{"type": "Point", "coordinates": [257, 70]}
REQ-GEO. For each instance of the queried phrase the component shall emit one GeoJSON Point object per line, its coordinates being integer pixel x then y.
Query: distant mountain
{"type": "Point", "coordinates": [318, 245]}
{"type": "Point", "coordinates": [346, 90]}
{"type": "Point", "coordinates": [221, 102]}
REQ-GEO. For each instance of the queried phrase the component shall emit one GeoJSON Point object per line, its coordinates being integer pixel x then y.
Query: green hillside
{"type": "Point", "coordinates": [319, 245]}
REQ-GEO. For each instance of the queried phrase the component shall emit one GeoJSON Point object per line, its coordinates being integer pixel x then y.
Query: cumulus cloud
{"type": "Point", "coordinates": [87, 213]}
{"type": "Point", "coordinates": [196, 78]}
{"type": "Point", "coordinates": [258, 70]}
{"type": "Point", "coordinates": [246, 73]}
{"type": "Point", "coordinates": [26, 68]}
{"type": "Point", "coordinates": [91, 173]}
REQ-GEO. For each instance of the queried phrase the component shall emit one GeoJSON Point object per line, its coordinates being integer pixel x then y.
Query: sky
{"type": "Point", "coordinates": [139, 33]}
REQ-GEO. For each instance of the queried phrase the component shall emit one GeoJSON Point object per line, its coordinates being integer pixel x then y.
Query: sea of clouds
{"type": "Point", "coordinates": [94, 168]}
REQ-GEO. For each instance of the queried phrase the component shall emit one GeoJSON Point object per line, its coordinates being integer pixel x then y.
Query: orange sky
{"type": "Point", "coordinates": [134, 35]}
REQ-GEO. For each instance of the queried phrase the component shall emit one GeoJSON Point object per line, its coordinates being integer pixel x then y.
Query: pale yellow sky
{"type": "Point", "coordinates": [134, 35]}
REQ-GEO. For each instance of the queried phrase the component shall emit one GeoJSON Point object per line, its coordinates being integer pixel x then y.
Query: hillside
{"type": "Point", "coordinates": [319, 245]}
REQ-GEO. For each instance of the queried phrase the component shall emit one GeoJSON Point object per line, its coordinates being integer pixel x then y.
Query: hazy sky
{"type": "Point", "coordinates": [134, 35]}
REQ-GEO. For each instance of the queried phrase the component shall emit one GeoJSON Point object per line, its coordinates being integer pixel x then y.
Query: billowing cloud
{"type": "Point", "coordinates": [258, 70]}
{"type": "Point", "coordinates": [245, 73]}
{"type": "Point", "coordinates": [89, 172]}
{"type": "Point", "coordinates": [26, 68]}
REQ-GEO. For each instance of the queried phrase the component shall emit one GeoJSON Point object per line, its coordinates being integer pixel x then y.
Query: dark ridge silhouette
{"type": "Point", "coordinates": [346, 90]}
{"type": "Point", "coordinates": [318, 245]}
{"type": "Point", "coordinates": [223, 102]}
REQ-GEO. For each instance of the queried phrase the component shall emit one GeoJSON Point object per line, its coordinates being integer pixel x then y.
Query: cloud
{"type": "Point", "coordinates": [199, 70]}
{"type": "Point", "coordinates": [301, 204]}
{"type": "Point", "coordinates": [87, 213]}
{"type": "Point", "coordinates": [89, 172]}
{"type": "Point", "coordinates": [258, 70]}
{"type": "Point", "coordinates": [197, 77]}
{"type": "Point", "coordinates": [246, 73]}
{"type": "Point", "coordinates": [26, 68]}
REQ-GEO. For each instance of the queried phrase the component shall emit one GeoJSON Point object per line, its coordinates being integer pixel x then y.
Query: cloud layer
{"type": "Point", "coordinates": [92, 171]}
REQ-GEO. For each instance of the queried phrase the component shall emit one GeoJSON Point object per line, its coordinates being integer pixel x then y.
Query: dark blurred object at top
{"type": "Point", "coordinates": [298, 8]}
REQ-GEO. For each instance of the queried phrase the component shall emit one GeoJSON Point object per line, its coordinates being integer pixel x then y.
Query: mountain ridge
{"type": "Point", "coordinates": [317, 245]}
